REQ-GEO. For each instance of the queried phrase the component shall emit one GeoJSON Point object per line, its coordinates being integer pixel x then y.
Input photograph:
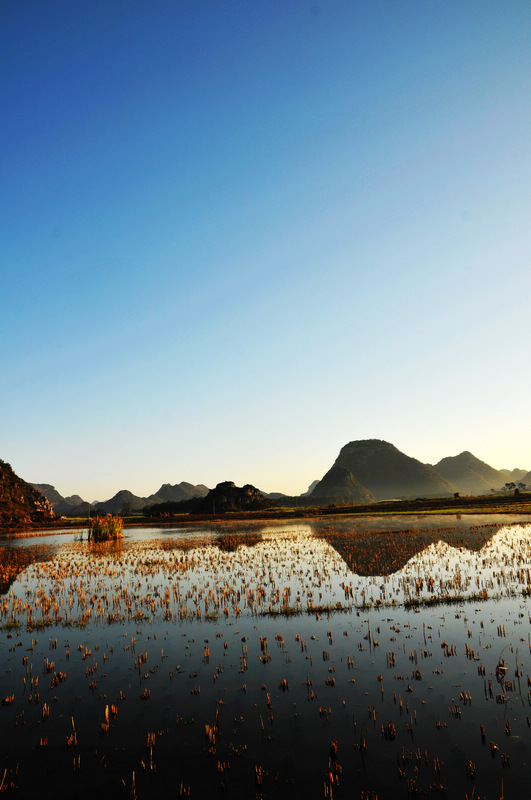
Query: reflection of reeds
{"type": "Point", "coordinates": [291, 611]}
{"type": "Point", "coordinates": [447, 599]}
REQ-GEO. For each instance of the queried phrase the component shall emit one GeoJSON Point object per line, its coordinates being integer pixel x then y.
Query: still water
{"type": "Point", "coordinates": [309, 659]}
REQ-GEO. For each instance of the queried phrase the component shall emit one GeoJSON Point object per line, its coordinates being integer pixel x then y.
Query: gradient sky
{"type": "Point", "coordinates": [238, 234]}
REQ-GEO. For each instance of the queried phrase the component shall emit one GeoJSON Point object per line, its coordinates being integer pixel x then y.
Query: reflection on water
{"type": "Point", "coordinates": [192, 663]}
{"type": "Point", "coordinates": [263, 572]}
{"type": "Point", "coordinates": [13, 561]}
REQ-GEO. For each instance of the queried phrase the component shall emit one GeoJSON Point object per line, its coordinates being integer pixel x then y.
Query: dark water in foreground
{"type": "Point", "coordinates": [194, 665]}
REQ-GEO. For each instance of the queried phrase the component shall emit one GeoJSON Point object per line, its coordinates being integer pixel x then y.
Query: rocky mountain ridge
{"type": "Point", "coordinates": [20, 503]}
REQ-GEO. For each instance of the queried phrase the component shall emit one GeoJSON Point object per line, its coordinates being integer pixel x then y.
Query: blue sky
{"type": "Point", "coordinates": [237, 235]}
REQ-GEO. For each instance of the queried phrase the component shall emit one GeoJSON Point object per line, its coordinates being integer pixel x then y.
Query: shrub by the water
{"type": "Point", "coordinates": [103, 529]}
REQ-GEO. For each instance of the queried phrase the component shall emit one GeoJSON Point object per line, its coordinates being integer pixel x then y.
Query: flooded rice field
{"type": "Point", "coordinates": [302, 660]}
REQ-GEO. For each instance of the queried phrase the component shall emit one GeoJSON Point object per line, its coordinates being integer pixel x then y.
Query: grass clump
{"type": "Point", "coordinates": [104, 529]}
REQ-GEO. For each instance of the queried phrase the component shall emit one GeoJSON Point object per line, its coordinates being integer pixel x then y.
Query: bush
{"type": "Point", "coordinates": [103, 529]}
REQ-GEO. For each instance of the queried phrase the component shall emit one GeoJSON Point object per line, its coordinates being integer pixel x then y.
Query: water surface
{"type": "Point", "coordinates": [307, 659]}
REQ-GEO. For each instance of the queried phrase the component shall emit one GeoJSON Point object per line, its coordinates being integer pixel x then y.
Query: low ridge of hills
{"type": "Point", "coordinates": [279, 495]}
{"type": "Point", "coordinates": [123, 502]}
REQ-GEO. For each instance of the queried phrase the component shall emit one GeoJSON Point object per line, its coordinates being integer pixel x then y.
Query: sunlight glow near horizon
{"type": "Point", "coordinates": [237, 236]}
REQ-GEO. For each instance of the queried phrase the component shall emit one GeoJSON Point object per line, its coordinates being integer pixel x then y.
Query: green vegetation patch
{"type": "Point", "coordinates": [104, 529]}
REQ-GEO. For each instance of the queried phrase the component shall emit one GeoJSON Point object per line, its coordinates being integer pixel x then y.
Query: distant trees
{"type": "Point", "coordinates": [511, 486]}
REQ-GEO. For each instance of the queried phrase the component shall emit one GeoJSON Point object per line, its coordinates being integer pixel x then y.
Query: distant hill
{"type": "Point", "coordinates": [340, 485]}
{"type": "Point", "coordinates": [526, 480]}
{"type": "Point", "coordinates": [61, 505]}
{"type": "Point", "coordinates": [225, 497]}
{"type": "Point", "coordinates": [470, 475]}
{"type": "Point", "coordinates": [387, 473]}
{"type": "Point", "coordinates": [515, 475]}
{"type": "Point", "coordinates": [123, 502]}
{"type": "Point", "coordinates": [179, 491]}
{"type": "Point", "coordinates": [49, 492]}
{"type": "Point", "coordinates": [310, 489]}
{"type": "Point", "coordinates": [20, 503]}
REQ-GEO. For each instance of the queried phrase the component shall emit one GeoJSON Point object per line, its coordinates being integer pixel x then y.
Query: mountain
{"type": "Point", "coordinates": [49, 492]}
{"type": "Point", "coordinates": [310, 489]}
{"type": "Point", "coordinates": [174, 494]}
{"type": "Point", "coordinates": [470, 475]}
{"type": "Point", "coordinates": [123, 502]}
{"type": "Point", "coordinates": [525, 479]}
{"type": "Point", "coordinates": [340, 485]}
{"type": "Point", "coordinates": [387, 473]}
{"type": "Point", "coordinates": [61, 505]}
{"type": "Point", "coordinates": [228, 497]}
{"type": "Point", "coordinates": [225, 497]}
{"type": "Point", "coordinates": [514, 475]}
{"type": "Point", "coordinates": [20, 503]}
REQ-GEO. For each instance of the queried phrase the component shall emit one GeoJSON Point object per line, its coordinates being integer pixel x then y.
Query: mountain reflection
{"type": "Point", "coordinates": [382, 552]}
{"type": "Point", "coordinates": [229, 543]}
{"type": "Point", "coordinates": [290, 568]}
{"type": "Point", "coordinates": [14, 560]}
{"type": "Point", "coordinates": [226, 542]}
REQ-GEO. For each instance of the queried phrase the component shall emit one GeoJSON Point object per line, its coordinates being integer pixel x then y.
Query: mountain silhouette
{"type": "Point", "coordinates": [470, 475]}
{"type": "Point", "coordinates": [340, 484]}
{"type": "Point", "coordinates": [226, 496]}
{"type": "Point", "coordinates": [386, 473]}
{"type": "Point", "coordinates": [123, 502]}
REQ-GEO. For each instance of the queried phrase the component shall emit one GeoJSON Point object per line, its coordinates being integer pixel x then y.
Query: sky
{"type": "Point", "coordinates": [238, 234]}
